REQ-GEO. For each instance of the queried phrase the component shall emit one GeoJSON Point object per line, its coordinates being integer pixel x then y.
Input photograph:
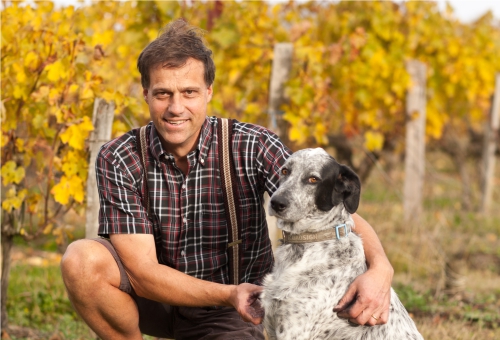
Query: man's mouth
{"type": "Point", "coordinates": [176, 122]}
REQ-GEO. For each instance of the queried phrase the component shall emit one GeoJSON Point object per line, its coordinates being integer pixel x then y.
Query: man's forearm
{"type": "Point", "coordinates": [175, 288]}
{"type": "Point", "coordinates": [374, 252]}
{"type": "Point", "coordinates": [161, 283]}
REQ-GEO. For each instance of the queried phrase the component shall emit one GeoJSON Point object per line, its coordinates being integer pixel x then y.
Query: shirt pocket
{"type": "Point", "coordinates": [213, 231]}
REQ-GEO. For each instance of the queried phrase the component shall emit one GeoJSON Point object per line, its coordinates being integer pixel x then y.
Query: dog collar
{"type": "Point", "coordinates": [338, 232]}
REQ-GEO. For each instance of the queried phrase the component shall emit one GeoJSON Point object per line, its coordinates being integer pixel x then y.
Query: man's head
{"type": "Point", "coordinates": [174, 46]}
{"type": "Point", "coordinates": [177, 74]}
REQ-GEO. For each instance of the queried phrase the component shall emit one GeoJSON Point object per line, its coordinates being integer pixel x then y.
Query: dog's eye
{"type": "Point", "coordinates": [285, 171]}
{"type": "Point", "coordinates": [313, 179]}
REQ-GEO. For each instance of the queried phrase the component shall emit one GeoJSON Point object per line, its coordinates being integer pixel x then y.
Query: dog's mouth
{"type": "Point", "coordinates": [280, 215]}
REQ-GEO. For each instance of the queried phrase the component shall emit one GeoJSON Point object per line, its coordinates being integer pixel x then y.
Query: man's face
{"type": "Point", "coordinates": [177, 100]}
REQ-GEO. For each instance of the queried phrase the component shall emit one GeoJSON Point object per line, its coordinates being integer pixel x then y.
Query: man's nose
{"type": "Point", "coordinates": [175, 106]}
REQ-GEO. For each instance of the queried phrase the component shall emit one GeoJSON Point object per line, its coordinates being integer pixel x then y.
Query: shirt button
{"type": "Point", "coordinates": [202, 161]}
{"type": "Point", "coordinates": [183, 253]}
{"type": "Point", "coordinates": [185, 220]}
{"type": "Point", "coordinates": [184, 186]}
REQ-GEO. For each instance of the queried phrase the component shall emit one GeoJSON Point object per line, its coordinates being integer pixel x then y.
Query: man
{"type": "Point", "coordinates": [166, 273]}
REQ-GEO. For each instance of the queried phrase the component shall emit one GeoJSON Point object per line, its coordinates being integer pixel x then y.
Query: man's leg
{"type": "Point", "coordinates": [92, 279]}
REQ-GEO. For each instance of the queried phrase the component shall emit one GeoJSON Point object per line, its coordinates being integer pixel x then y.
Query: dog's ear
{"type": "Point", "coordinates": [347, 189]}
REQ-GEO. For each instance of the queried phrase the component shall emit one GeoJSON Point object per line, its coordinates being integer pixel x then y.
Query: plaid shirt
{"type": "Point", "coordinates": [188, 219]}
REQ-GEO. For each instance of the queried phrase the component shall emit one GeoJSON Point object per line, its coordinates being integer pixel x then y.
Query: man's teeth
{"type": "Point", "coordinates": [177, 122]}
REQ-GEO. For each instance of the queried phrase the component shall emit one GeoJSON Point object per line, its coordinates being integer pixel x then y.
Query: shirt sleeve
{"type": "Point", "coordinates": [118, 183]}
{"type": "Point", "coordinates": [272, 155]}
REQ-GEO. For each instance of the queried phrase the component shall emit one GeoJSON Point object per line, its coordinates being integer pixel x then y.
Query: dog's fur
{"type": "Point", "coordinates": [309, 279]}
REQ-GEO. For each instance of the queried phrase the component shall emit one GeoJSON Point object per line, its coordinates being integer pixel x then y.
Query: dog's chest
{"type": "Point", "coordinates": [322, 268]}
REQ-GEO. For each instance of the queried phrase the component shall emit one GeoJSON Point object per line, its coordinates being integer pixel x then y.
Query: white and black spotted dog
{"type": "Point", "coordinates": [320, 256]}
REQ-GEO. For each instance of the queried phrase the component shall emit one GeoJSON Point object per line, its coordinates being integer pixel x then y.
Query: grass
{"type": "Point", "coordinates": [37, 299]}
{"type": "Point", "coordinates": [418, 252]}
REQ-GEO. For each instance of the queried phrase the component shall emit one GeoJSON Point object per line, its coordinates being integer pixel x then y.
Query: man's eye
{"type": "Point", "coordinates": [285, 172]}
{"type": "Point", "coordinates": [313, 179]}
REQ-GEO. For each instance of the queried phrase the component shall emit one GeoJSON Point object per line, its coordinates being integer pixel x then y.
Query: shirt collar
{"type": "Point", "coordinates": [202, 148]}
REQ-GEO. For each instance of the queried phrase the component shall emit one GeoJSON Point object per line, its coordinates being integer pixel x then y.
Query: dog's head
{"type": "Point", "coordinates": [311, 184]}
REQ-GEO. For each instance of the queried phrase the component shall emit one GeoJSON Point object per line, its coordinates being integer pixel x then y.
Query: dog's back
{"type": "Point", "coordinates": [313, 270]}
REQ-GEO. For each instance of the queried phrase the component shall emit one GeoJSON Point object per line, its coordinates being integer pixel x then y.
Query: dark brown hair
{"type": "Point", "coordinates": [175, 44]}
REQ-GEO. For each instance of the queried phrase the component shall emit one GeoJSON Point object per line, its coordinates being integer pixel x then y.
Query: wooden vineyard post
{"type": "Point", "coordinates": [415, 141]}
{"type": "Point", "coordinates": [490, 145]}
{"type": "Point", "coordinates": [102, 119]}
{"type": "Point", "coordinates": [282, 65]}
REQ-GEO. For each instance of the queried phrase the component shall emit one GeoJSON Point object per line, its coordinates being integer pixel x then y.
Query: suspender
{"type": "Point", "coordinates": [231, 203]}
{"type": "Point", "coordinates": [229, 188]}
{"type": "Point", "coordinates": [140, 137]}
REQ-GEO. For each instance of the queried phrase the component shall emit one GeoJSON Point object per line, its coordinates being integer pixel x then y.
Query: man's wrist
{"type": "Point", "coordinates": [381, 264]}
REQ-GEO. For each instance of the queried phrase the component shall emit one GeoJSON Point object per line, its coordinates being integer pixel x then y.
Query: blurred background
{"type": "Point", "coordinates": [406, 93]}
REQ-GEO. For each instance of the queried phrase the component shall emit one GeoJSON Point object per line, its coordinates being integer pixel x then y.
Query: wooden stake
{"type": "Point", "coordinates": [490, 145]}
{"type": "Point", "coordinates": [415, 141]}
{"type": "Point", "coordinates": [102, 119]}
{"type": "Point", "coordinates": [282, 65]}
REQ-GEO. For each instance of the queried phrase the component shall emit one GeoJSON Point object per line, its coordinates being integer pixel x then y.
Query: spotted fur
{"type": "Point", "coordinates": [308, 280]}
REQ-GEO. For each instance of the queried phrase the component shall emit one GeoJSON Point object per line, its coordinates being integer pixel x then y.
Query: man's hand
{"type": "Point", "coordinates": [367, 300]}
{"type": "Point", "coordinates": [245, 299]}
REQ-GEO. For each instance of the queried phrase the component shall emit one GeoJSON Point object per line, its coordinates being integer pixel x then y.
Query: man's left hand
{"type": "Point", "coordinates": [367, 300]}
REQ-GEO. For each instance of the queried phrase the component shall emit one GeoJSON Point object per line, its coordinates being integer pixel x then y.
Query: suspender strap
{"type": "Point", "coordinates": [140, 137]}
{"type": "Point", "coordinates": [231, 203]}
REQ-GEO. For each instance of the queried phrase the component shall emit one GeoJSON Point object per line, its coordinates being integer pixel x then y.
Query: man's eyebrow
{"type": "Point", "coordinates": [189, 88]}
{"type": "Point", "coordinates": [162, 89]}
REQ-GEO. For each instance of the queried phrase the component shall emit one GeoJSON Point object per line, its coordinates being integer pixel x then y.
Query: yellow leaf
{"type": "Point", "coordinates": [54, 95]}
{"type": "Point", "coordinates": [68, 187]}
{"type": "Point", "coordinates": [21, 77]}
{"type": "Point", "coordinates": [13, 200]}
{"type": "Point", "coordinates": [73, 88]}
{"type": "Point", "coordinates": [87, 92]}
{"type": "Point", "coordinates": [76, 134]}
{"type": "Point", "coordinates": [56, 71]}
{"type": "Point", "coordinates": [11, 173]}
{"type": "Point", "coordinates": [77, 188]}
{"type": "Point", "coordinates": [61, 191]}
{"type": "Point", "coordinates": [4, 141]}
{"type": "Point", "coordinates": [20, 144]}
{"type": "Point", "coordinates": [297, 135]}
{"type": "Point", "coordinates": [19, 92]}
{"type": "Point", "coordinates": [31, 60]}
{"type": "Point", "coordinates": [373, 141]}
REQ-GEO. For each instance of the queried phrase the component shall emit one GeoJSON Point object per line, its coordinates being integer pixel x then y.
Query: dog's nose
{"type": "Point", "coordinates": [279, 203]}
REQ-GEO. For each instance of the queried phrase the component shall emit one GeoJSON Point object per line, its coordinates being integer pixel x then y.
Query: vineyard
{"type": "Point", "coordinates": [346, 91]}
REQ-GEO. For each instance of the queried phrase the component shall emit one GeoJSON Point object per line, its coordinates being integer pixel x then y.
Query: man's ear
{"type": "Point", "coordinates": [145, 94]}
{"type": "Point", "coordinates": [210, 92]}
{"type": "Point", "coordinates": [347, 189]}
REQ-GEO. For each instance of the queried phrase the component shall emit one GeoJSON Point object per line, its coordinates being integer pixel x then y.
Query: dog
{"type": "Point", "coordinates": [320, 256]}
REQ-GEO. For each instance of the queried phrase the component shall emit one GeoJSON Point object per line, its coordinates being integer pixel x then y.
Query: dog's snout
{"type": "Point", "coordinates": [279, 203]}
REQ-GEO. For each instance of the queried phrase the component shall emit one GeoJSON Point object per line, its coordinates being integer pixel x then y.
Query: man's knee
{"type": "Point", "coordinates": [88, 262]}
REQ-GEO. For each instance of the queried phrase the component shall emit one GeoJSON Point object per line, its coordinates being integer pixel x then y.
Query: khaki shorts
{"type": "Point", "coordinates": [165, 321]}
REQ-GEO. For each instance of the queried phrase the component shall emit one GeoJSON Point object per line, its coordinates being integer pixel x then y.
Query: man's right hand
{"type": "Point", "coordinates": [245, 299]}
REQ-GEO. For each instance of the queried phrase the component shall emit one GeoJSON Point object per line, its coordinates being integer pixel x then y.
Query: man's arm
{"type": "Point", "coordinates": [368, 298]}
{"type": "Point", "coordinates": [164, 284]}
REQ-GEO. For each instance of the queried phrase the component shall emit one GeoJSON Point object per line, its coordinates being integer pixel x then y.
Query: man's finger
{"type": "Point", "coordinates": [373, 319]}
{"type": "Point", "coordinates": [384, 317]}
{"type": "Point", "coordinates": [346, 300]}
